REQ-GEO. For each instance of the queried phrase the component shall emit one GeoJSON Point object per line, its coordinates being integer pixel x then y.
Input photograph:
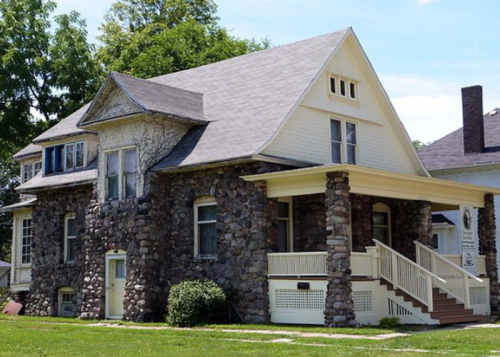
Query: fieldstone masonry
{"type": "Point", "coordinates": [339, 307]}
{"type": "Point", "coordinates": [49, 271]}
{"type": "Point", "coordinates": [487, 246]}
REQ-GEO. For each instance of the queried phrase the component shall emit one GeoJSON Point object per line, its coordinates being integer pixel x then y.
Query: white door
{"type": "Point", "coordinates": [115, 285]}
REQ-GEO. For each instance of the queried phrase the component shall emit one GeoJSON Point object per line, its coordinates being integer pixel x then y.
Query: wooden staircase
{"type": "Point", "coordinates": [447, 310]}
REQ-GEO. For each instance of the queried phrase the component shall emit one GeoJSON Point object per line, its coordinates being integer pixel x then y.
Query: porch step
{"type": "Point", "coordinates": [446, 309]}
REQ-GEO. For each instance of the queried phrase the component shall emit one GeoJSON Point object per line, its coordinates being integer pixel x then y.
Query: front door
{"type": "Point", "coordinates": [115, 285]}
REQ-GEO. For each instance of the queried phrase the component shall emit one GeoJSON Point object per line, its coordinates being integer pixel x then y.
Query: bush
{"type": "Point", "coordinates": [389, 322]}
{"type": "Point", "coordinates": [196, 302]}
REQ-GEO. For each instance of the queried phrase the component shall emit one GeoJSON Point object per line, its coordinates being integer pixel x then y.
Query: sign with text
{"type": "Point", "coordinates": [468, 238]}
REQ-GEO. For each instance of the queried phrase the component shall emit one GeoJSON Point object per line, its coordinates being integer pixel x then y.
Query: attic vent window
{"type": "Point", "coordinates": [343, 87]}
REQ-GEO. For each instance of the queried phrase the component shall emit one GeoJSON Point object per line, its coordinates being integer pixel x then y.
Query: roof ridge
{"type": "Point", "coordinates": [344, 30]}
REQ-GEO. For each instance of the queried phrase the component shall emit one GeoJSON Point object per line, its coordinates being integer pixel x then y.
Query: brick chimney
{"type": "Point", "coordinates": [472, 109]}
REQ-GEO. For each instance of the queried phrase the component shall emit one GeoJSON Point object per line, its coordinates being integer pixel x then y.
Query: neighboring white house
{"type": "Point", "coordinates": [4, 273]}
{"type": "Point", "coordinates": [471, 155]}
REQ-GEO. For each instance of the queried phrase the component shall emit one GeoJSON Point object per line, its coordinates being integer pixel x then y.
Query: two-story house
{"type": "Point", "coordinates": [285, 176]}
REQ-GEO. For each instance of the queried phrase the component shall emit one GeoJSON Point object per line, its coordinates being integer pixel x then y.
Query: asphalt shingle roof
{"type": "Point", "coordinates": [66, 127]}
{"type": "Point", "coordinates": [448, 152]}
{"type": "Point", "coordinates": [30, 150]}
{"type": "Point", "coordinates": [157, 98]}
{"type": "Point", "coordinates": [247, 98]}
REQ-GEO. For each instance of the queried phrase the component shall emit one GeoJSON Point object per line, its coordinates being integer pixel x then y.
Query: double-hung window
{"type": "Point", "coordinates": [30, 170]}
{"type": "Point", "coordinates": [205, 223]}
{"type": "Point", "coordinates": [65, 157]}
{"type": "Point", "coordinates": [26, 237]}
{"type": "Point", "coordinates": [343, 141]}
{"type": "Point", "coordinates": [283, 222]}
{"type": "Point", "coordinates": [121, 174]}
{"type": "Point", "coordinates": [69, 238]}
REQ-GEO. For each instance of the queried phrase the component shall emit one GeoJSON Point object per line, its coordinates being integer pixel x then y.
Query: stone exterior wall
{"type": "Point", "coordinates": [309, 230]}
{"type": "Point", "coordinates": [49, 271]}
{"type": "Point", "coordinates": [487, 246]}
{"type": "Point", "coordinates": [244, 216]}
{"type": "Point", "coordinates": [410, 220]}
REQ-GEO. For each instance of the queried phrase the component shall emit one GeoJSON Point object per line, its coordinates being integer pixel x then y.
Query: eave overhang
{"type": "Point", "coordinates": [443, 194]}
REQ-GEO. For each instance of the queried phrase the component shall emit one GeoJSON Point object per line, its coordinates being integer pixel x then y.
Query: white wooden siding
{"type": "Point", "coordinates": [306, 135]}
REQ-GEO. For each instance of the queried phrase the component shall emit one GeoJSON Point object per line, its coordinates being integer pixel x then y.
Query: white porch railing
{"type": "Point", "coordinates": [456, 279]}
{"type": "Point", "coordinates": [297, 264]}
{"type": "Point", "coordinates": [406, 275]}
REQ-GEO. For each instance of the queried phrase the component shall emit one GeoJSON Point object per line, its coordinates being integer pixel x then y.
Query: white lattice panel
{"type": "Point", "coordinates": [291, 299]}
{"type": "Point", "coordinates": [363, 301]}
{"type": "Point", "coordinates": [478, 295]}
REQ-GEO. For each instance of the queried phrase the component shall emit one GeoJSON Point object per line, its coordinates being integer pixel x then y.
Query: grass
{"type": "Point", "coordinates": [28, 336]}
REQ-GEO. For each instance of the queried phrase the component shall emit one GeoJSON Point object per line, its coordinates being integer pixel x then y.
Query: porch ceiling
{"type": "Point", "coordinates": [443, 194]}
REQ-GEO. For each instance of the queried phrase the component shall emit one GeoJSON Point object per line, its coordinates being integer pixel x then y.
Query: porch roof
{"type": "Point", "coordinates": [444, 194]}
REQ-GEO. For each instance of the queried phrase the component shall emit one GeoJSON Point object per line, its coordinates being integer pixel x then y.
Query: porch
{"type": "Point", "coordinates": [384, 283]}
{"type": "Point", "coordinates": [356, 243]}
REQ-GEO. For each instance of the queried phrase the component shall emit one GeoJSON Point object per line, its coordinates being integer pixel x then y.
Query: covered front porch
{"type": "Point", "coordinates": [352, 245]}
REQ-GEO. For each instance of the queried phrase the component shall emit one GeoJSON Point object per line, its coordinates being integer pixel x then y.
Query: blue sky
{"type": "Point", "coordinates": [423, 51]}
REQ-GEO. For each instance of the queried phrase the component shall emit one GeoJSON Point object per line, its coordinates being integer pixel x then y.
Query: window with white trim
{"type": "Point", "coordinates": [382, 223]}
{"type": "Point", "coordinates": [205, 227]}
{"type": "Point", "coordinates": [30, 170]}
{"type": "Point", "coordinates": [64, 157]}
{"type": "Point", "coordinates": [344, 142]}
{"type": "Point", "coordinates": [69, 238]}
{"type": "Point", "coordinates": [26, 237]}
{"type": "Point", "coordinates": [283, 223]}
{"type": "Point", "coordinates": [343, 87]}
{"type": "Point", "coordinates": [66, 301]}
{"type": "Point", "coordinates": [121, 174]}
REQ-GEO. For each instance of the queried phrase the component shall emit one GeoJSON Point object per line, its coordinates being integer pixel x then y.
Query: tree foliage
{"type": "Point", "coordinates": [147, 38]}
{"type": "Point", "coordinates": [44, 75]}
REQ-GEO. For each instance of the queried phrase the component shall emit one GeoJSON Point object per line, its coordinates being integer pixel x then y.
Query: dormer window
{"type": "Point", "coordinates": [64, 157]}
{"type": "Point", "coordinates": [30, 170]}
{"type": "Point", "coordinates": [343, 87]}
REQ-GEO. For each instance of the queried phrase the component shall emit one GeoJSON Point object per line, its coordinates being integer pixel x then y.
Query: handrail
{"type": "Point", "coordinates": [447, 261]}
{"type": "Point", "coordinates": [457, 277]}
{"type": "Point", "coordinates": [406, 275]}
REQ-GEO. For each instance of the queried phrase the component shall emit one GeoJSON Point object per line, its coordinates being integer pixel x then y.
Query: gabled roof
{"type": "Point", "coordinates": [247, 98]}
{"type": "Point", "coordinates": [66, 127]}
{"type": "Point", "coordinates": [146, 97]}
{"type": "Point", "coordinates": [448, 152]}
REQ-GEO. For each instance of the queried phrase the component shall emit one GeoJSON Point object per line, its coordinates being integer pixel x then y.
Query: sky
{"type": "Point", "coordinates": [423, 51]}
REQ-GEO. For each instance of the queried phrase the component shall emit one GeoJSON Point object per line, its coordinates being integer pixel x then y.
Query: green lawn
{"type": "Point", "coordinates": [22, 336]}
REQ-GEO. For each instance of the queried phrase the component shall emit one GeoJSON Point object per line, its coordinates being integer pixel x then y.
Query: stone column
{"type": "Point", "coordinates": [339, 307]}
{"type": "Point", "coordinates": [487, 247]}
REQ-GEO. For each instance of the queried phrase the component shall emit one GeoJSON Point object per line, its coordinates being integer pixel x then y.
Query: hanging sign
{"type": "Point", "coordinates": [468, 239]}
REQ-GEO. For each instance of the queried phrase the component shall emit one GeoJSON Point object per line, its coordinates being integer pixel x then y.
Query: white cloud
{"type": "Point", "coordinates": [428, 118]}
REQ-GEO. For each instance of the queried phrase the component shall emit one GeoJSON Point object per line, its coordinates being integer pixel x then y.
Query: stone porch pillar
{"type": "Point", "coordinates": [487, 247]}
{"type": "Point", "coordinates": [420, 228]}
{"type": "Point", "coordinates": [339, 307]}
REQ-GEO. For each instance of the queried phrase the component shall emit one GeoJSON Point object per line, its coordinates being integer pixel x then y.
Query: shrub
{"type": "Point", "coordinates": [196, 302]}
{"type": "Point", "coordinates": [389, 322]}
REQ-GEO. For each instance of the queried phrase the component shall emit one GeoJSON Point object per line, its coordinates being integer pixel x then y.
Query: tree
{"type": "Point", "coordinates": [417, 144]}
{"type": "Point", "coordinates": [9, 179]}
{"type": "Point", "coordinates": [43, 75]}
{"type": "Point", "coordinates": [147, 38]}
